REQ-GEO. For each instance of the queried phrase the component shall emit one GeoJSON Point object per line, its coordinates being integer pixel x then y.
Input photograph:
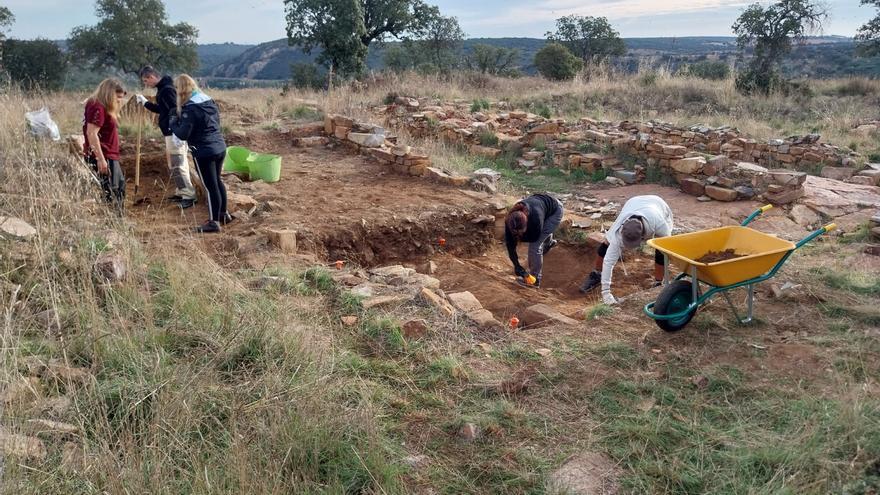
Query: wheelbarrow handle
{"type": "Point", "coordinates": [817, 233]}
{"type": "Point", "coordinates": [756, 213]}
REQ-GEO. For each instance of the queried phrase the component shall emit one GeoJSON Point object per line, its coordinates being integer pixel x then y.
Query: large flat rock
{"type": "Point", "coordinates": [834, 198]}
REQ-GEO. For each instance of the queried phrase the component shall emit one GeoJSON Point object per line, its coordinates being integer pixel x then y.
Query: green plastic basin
{"type": "Point", "coordinates": [265, 167]}
{"type": "Point", "coordinates": [237, 159]}
{"type": "Point", "coordinates": [257, 165]}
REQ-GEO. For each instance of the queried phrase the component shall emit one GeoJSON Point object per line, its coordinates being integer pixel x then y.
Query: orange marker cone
{"type": "Point", "coordinates": [514, 322]}
{"type": "Point", "coordinates": [442, 242]}
{"type": "Point", "coordinates": [339, 264]}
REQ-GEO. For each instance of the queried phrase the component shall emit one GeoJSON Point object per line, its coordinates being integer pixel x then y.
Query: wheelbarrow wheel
{"type": "Point", "coordinates": [675, 298]}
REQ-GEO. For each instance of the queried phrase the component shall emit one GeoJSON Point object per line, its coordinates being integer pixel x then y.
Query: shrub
{"type": "Point", "coordinates": [709, 69]}
{"type": "Point", "coordinates": [306, 76]}
{"type": "Point", "coordinates": [556, 62]}
{"type": "Point", "coordinates": [857, 86]}
{"type": "Point", "coordinates": [648, 78]}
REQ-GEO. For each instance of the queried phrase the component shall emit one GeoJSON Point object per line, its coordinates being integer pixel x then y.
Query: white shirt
{"type": "Point", "coordinates": [657, 219]}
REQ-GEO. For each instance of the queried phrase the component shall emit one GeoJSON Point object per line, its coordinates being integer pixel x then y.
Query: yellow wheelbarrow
{"type": "Point", "coordinates": [760, 256]}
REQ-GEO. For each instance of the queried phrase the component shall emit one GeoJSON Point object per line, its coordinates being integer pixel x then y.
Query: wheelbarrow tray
{"type": "Point", "coordinates": [762, 252]}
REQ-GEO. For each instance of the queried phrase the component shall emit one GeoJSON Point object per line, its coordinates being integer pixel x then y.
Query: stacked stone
{"type": "Point", "coordinates": [784, 186]}
{"type": "Point", "coordinates": [371, 140]}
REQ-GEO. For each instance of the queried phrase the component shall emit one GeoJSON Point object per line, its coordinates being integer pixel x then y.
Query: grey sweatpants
{"type": "Point", "coordinates": [177, 162]}
{"type": "Point", "coordinates": [536, 249]}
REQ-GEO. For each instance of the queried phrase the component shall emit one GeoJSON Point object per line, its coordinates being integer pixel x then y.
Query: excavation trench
{"type": "Point", "coordinates": [473, 258]}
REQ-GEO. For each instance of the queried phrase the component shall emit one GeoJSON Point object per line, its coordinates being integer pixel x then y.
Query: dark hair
{"type": "Point", "coordinates": [518, 218]}
{"type": "Point", "coordinates": [148, 70]}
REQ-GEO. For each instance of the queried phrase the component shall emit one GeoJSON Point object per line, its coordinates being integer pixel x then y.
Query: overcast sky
{"type": "Point", "coordinates": [256, 21]}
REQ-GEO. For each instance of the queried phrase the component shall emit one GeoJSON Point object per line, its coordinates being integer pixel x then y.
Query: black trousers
{"type": "Point", "coordinates": [113, 183]}
{"type": "Point", "coordinates": [209, 171]}
{"type": "Point", "coordinates": [603, 248]}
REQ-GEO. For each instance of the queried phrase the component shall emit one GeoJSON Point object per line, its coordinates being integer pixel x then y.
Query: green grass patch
{"type": "Point", "coordinates": [618, 355]}
{"type": "Point", "coordinates": [731, 437]}
{"type": "Point", "coordinates": [480, 104]}
{"type": "Point", "coordinates": [598, 311]}
{"type": "Point", "coordinates": [487, 138]}
{"type": "Point", "coordinates": [862, 282]}
{"type": "Point", "coordinates": [303, 113]}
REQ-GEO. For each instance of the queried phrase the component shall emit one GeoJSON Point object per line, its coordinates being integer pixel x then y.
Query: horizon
{"type": "Point", "coordinates": [54, 19]}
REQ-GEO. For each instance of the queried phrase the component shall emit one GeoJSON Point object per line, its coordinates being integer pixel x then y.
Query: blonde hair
{"type": "Point", "coordinates": [105, 94]}
{"type": "Point", "coordinates": [185, 85]}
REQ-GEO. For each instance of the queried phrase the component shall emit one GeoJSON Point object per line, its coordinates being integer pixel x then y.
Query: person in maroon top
{"type": "Point", "coordinates": [101, 130]}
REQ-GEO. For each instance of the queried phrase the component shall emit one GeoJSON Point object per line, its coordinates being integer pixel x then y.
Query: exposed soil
{"type": "Point", "coordinates": [342, 206]}
{"type": "Point", "coordinates": [716, 256]}
{"type": "Point", "coordinates": [490, 278]}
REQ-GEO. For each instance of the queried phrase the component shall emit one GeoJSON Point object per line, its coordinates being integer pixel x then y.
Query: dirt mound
{"type": "Point", "coordinates": [716, 256]}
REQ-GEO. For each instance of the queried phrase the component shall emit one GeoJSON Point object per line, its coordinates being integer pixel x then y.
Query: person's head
{"type": "Point", "coordinates": [631, 233]}
{"type": "Point", "coordinates": [110, 94]}
{"type": "Point", "coordinates": [185, 86]}
{"type": "Point", "coordinates": [518, 219]}
{"type": "Point", "coordinates": [149, 76]}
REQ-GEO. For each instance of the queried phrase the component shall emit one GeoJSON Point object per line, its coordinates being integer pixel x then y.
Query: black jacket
{"type": "Point", "coordinates": [166, 103]}
{"type": "Point", "coordinates": [540, 208]}
{"type": "Point", "coordinates": [199, 126]}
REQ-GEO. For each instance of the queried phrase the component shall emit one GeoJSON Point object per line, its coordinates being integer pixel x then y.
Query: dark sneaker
{"type": "Point", "coordinates": [656, 283]}
{"type": "Point", "coordinates": [550, 245]}
{"type": "Point", "coordinates": [592, 281]}
{"type": "Point", "coordinates": [208, 227]}
{"type": "Point", "coordinates": [186, 203]}
{"type": "Point", "coordinates": [174, 197]}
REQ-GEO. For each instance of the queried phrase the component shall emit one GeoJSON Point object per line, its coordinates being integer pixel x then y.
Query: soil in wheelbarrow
{"type": "Point", "coordinates": [716, 256]}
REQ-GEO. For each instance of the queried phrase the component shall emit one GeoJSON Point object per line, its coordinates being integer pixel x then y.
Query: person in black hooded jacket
{"type": "Point", "coordinates": [198, 124]}
{"type": "Point", "coordinates": [533, 220]}
{"type": "Point", "coordinates": [166, 106]}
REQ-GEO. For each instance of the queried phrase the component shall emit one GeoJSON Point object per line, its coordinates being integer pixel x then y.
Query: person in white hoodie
{"type": "Point", "coordinates": [642, 218]}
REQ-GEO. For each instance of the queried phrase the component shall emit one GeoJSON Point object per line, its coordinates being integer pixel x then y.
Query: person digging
{"type": "Point", "coordinates": [532, 220]}
{"type": "Point", "coordinates": [642, 218]}
{"type": "Point", "coordinates": [175, 151]}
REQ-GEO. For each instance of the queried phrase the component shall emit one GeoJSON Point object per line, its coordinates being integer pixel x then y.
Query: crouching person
{"type": "Point", "coordinates": [101, 131]}
{"type": "Point", "coordinates": [198, 123]}
{"type": "Point", "coordinates": [642, 218]}
{"type": "Point", "coordinates": [532, 220]}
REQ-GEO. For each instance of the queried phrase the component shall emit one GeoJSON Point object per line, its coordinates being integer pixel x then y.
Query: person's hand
{"type": "Point", "coordinates": [103, 169]}
{"type": "Point", "coordinates": [607, 298]}
{"type": "Point", "coordinates": [141, 99]}
{"type": "Point", "coordinates": [520, 271]}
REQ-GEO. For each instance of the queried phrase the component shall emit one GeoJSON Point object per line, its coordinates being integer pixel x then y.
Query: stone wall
{"type": "Point", "coordinates": [714, 163]}
{"type": "Point", "coordinates": [371, 140]}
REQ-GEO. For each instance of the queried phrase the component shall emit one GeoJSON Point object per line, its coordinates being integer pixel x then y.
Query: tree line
{"type": "Point", "coordinates": [342, 31]}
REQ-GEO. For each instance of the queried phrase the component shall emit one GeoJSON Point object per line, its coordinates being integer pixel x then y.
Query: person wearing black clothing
{"type": "Point", "coordinates": [166, 106]}
{"type": "Point", "coordinates": [199, 125]}
{"type": "Point", "coordinates": [532, 220]}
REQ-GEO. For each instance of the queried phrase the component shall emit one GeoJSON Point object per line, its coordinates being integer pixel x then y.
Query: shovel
{"type": "Point", "coordinates": [137, 158]}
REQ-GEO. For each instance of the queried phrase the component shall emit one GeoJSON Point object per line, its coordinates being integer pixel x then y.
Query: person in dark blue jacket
{"type": "Point", "coordinates": [533, 220]}
{"type": "Point", "coordinates": [198, 123]}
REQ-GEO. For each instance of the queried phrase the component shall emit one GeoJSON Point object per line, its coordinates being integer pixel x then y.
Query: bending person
{"type": "Point", "coordinates": [101, 131]}
{"type": "Point", "coordinates": [532, 220]}
{"type": "Point", "coordinates": [642, 218]}
{"type": "Point", "coordinates": [166, 106]}
{"type": "Point", "coordinates": [198, 124]}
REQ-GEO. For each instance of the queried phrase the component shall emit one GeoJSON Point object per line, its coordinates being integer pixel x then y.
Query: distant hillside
{"type": "Point", "coordinates": [213, 54]}
{"type": "Point", "coordinates": [820, 57]}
